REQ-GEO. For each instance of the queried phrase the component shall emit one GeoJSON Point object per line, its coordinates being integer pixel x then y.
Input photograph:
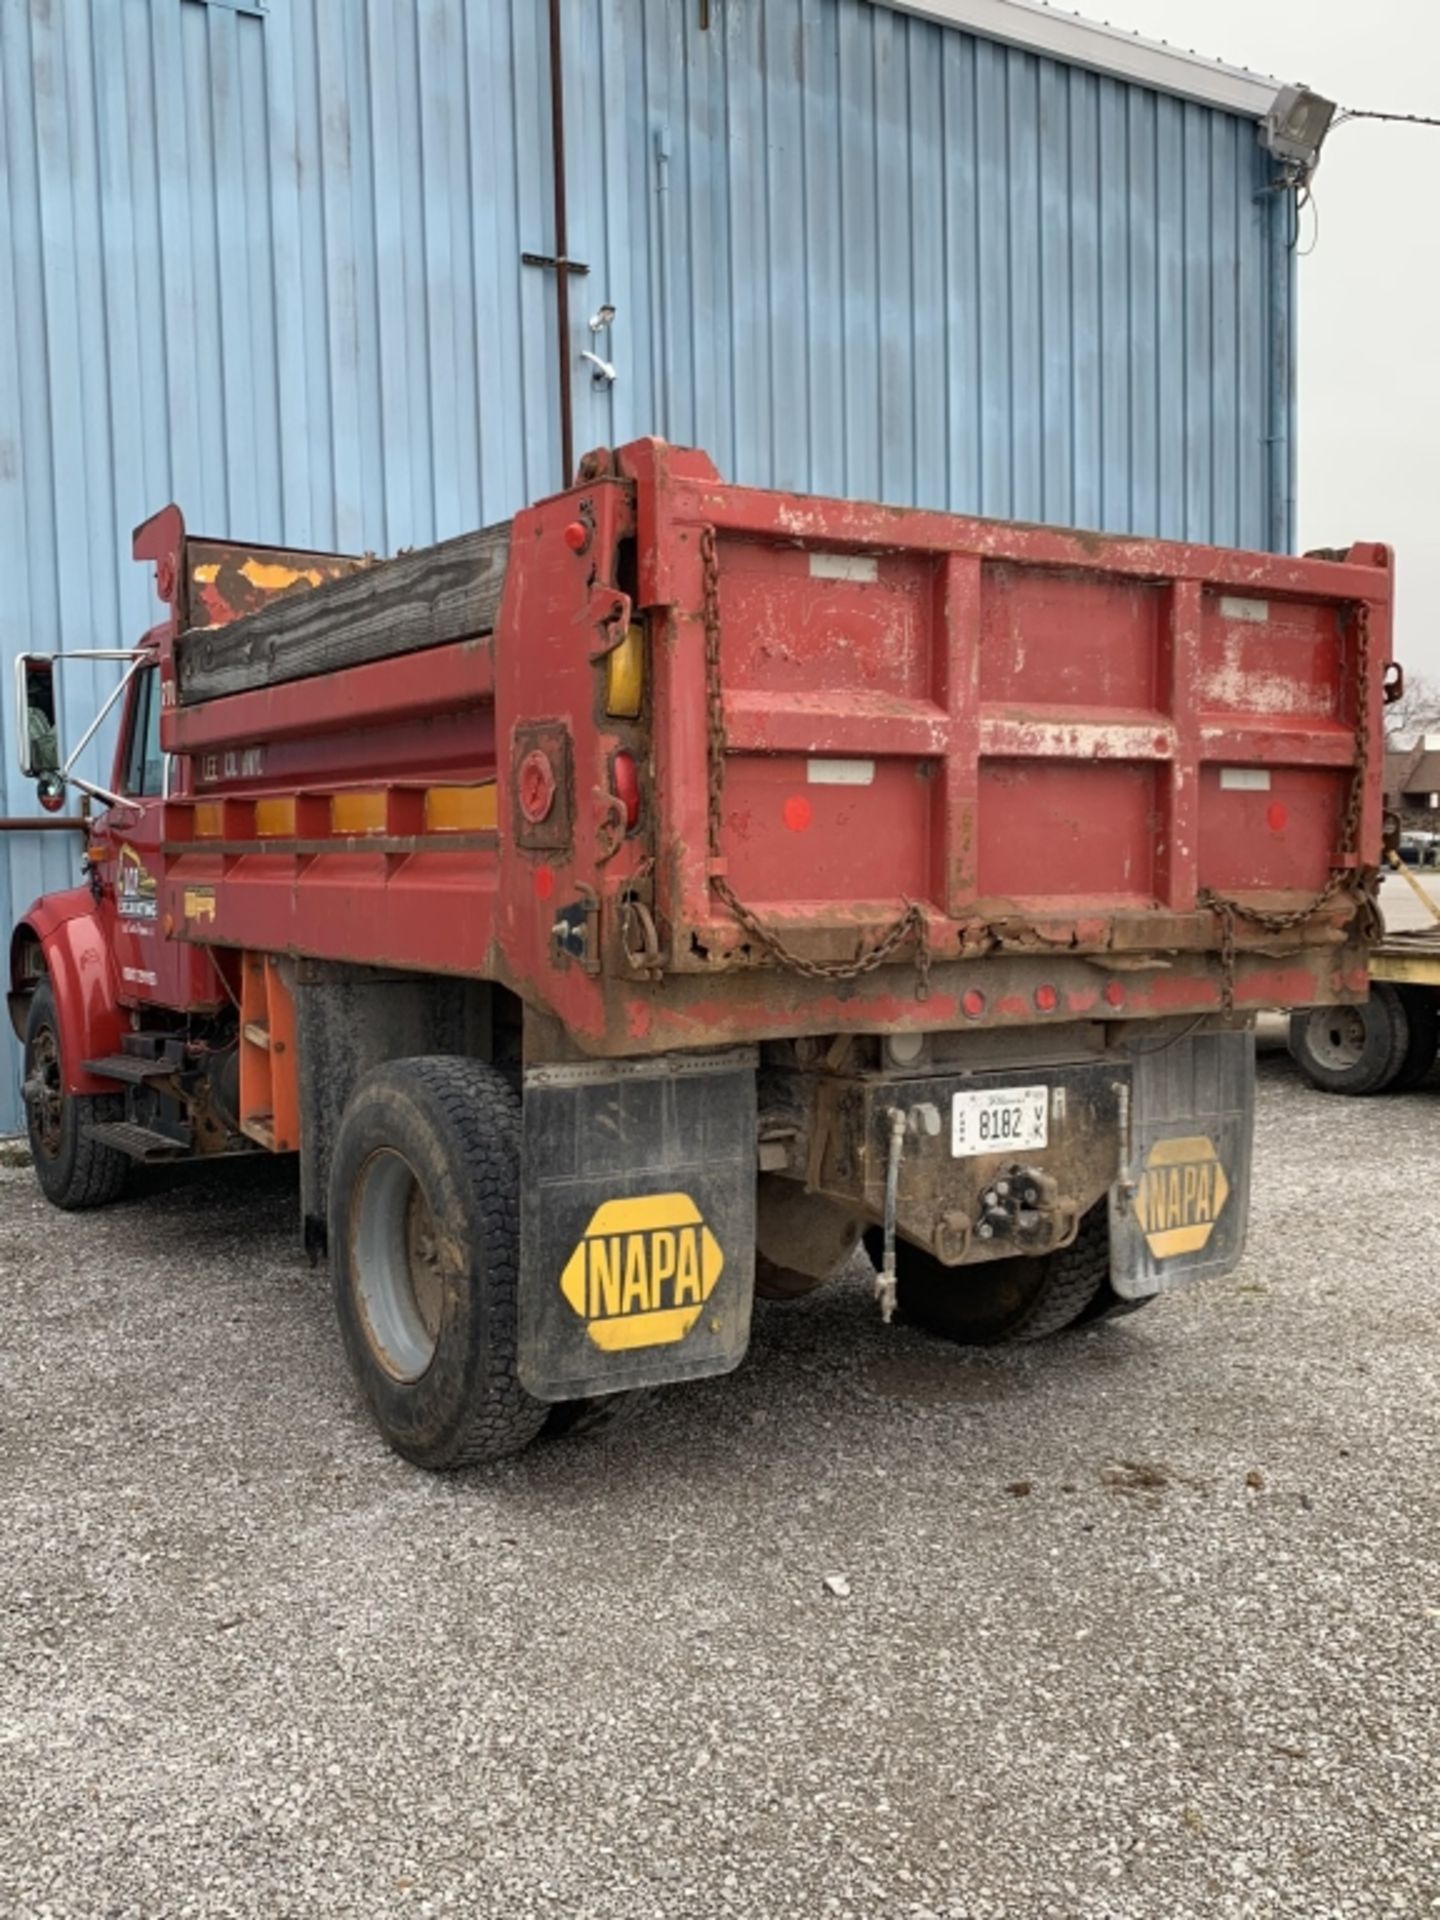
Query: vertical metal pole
{"type": "Point", "coordinates": [1280, 435]}
{"type": "Point", "coordinates": [562, 241]}
{"type": "Point", "coordinates": [662, 270]}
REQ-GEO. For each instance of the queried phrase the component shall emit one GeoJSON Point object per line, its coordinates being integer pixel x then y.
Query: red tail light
{"type": "Point", "coordinates": [626, 776]}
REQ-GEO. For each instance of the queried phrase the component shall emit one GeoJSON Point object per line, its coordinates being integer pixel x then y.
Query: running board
{"type": "Point", "coordinates": [130, 1068]}
{"type": "Point", "coordinates": [139, 1142]}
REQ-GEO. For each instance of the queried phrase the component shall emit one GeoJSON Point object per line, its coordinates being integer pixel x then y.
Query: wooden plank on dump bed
{"type": "Point", "coordinates": [416, 600]}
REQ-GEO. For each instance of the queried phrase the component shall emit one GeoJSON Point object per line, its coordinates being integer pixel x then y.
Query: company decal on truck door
{"type": "Point", "coordinates": [1181, 1194]}
{"type": "Point", "coordinates": [642, 1271]}
{"type": "Point", "coordinates": [134, 887]}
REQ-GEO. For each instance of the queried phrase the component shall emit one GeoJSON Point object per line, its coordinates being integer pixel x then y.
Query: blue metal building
{"type": "Point", "coordinates": [268, 258]}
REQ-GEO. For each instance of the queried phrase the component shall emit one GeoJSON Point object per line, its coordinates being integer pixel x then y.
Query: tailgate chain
{"type": "Point", "coordinates": [911, 923]}
{"type": "Point", "coordinates": [1360, 881]}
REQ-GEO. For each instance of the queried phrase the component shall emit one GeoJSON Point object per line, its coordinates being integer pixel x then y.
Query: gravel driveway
{"type": "Point", "coordinates": [1144, 1623]}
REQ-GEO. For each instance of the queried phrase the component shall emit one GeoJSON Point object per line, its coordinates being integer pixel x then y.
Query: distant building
{"type": "Point", "coordinates": [1412, 780]}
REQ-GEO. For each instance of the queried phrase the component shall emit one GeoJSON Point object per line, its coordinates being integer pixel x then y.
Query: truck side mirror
{"type": "Point", "coordinates": [39, 740]}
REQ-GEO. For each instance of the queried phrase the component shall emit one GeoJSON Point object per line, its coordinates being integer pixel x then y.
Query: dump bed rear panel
{"type": "Point", "coordinates": [1017, 728]}
{"type": "Point", "coordinates": [1067, 711]}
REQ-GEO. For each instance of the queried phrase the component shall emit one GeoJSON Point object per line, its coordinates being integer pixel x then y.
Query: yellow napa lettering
{"type": "Point", "coordinates": [687, 1273]}
{"type": "Point", "coordinates": [1189, 1201]}
{"type": "Point", "coordinates": [604, 1277]}
{"type": "Point", "coordinates": [663, 1255]}
{"type": "Point", "coordinates": [636, 1296]}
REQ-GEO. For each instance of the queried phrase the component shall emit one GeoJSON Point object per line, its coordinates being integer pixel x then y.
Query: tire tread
{"type": "Point", "coordinates": [86, 1173]}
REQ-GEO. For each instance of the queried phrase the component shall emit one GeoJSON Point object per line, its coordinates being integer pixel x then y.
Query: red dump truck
{"type": "Point", "coordinates": [635, 906]}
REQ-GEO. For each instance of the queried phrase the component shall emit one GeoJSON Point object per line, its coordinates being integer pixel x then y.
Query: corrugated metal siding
{"type": "Point", "coordinates": [269, 266]}
{"type": "Point", "coordinates": [860, 252]}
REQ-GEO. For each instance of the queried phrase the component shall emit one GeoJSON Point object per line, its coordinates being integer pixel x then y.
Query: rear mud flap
{"type": "Point", "coordinates": [637, 1223]}
{"type": "Point", "coordinates": [1179, 1211]}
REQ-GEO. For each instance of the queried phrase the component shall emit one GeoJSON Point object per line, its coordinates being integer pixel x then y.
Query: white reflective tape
{"type": "Point", "coordinates": [840, 773]}
{"type": "Point", "coordinates": [1246, 779]}
{"type": "Point", "coordinates": [844, 566]}
{"type": "Point", "coordinates": [1233, 607]}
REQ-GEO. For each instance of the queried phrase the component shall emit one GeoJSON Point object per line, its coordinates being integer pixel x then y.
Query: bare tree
{"type": "Point", "coordinates": [1415, 713]}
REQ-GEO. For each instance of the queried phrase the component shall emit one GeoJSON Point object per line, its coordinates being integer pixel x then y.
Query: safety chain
{"type": "Point", "coordinates": [1359, 881]}
{"type": "Point", "coordinates": [911, 925]}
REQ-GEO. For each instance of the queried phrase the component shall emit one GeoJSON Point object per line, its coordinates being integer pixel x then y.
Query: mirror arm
{"type": "Point", "coordinates": [102, 794]}
{"type": "Point", "coordinates": [116, 694]}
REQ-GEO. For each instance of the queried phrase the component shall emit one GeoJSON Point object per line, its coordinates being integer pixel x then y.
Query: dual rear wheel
{"type": "Point", "coordinates": [1000, 1301]}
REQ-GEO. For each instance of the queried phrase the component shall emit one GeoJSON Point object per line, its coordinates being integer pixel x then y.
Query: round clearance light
{"type": "Point", "coordinates": [1046, 999]}
{"type": "Point", "coordinates": [536, 782]}
{"type": "Point", "coordinates": [904, 1049]}
{"type": "Point", "coordinates": [577, 536]}
{"type": "Point", "coordinates": [972, 1003]}
{"type": "Point", "coordinates": [1114, 993]}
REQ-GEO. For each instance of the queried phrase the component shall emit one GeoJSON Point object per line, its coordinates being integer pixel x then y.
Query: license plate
{"type": "Point", "coordinates": [999, 1120]}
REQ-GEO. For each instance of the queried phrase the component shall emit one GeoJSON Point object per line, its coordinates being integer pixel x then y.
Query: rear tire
{"type": "Point", "coordinates": [774, 1282]}
{"type": "Point", "coordinates": [424, 1253]}
{"type": "Point", "coordinates": [74, 1170]}
{"type": "Point", "coordinates": [1422, 1021]}
{"type": "Point", "coordinates": [1027, 1298]}
{"type": "Point", "coordinates": [1357, 1049]}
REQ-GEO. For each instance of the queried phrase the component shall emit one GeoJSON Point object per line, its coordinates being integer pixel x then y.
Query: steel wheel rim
{"type": "Point", "coordinates": [45, 1092]}
{"type": "Point", "coordinates": [1335, 1037]}
{"type": "Point", "coordinates": [397, 1266]}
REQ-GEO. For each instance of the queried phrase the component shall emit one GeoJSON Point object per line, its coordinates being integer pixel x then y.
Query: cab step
{"type": "Point", "coordinates": [132, 1069]}
{"type": "Point", "coordinates": [141, 1143]}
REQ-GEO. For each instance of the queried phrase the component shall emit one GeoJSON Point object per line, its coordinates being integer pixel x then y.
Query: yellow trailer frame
{"type": "Point", "coordinates": [1410, 959]}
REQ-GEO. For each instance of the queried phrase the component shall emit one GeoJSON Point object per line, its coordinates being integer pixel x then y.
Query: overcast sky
{"type": "Point", "coordinates": [1370, 290]}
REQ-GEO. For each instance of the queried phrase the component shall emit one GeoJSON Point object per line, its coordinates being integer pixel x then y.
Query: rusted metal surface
{"type": "Point", "coordinates": [306, 622]}
{"type": "Point", "coordinates": [208, 583]}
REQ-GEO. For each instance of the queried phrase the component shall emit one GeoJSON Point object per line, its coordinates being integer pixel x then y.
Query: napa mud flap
{"type": "Point", "coordinates": [637, 1223]}
{"type": "Point", "coordinates": [1179, 1211]}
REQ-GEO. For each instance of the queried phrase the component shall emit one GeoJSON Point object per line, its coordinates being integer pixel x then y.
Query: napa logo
{"type": "Point", "coordinates": [1180, 1196]}
{"type": "Point", "coordinates": [134, 886]}
{"type": "Point", "coordinates": [642, 1271]}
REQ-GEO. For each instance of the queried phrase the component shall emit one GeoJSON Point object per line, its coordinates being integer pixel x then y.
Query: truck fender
{"type": "Point", "coordinates": [77, 958]}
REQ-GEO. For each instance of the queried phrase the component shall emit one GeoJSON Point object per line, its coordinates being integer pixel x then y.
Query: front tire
{"type": "Point", "coordinates": [74, 1170]}
{"type": "Point", "coordinates": [1026, 1298]}
{"type": "Point", "coordinates": [425, 1259]}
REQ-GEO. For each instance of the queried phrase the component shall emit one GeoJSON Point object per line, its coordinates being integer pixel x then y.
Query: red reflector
{"type": "Point", "coordinates": [973, 1003]}
{"type": "Point", "coordinates": [537, 786]}
{"type": "Point", "coordinates": [1114, 993]}
{"type": "Point", "coordinates": [1046, 999]}
{"type": "Point", "coordinates": [576, 536]}
{"type": "Point", "coordinates": [626, 776]}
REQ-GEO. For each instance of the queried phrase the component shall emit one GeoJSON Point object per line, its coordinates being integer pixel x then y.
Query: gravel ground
{"type": "Point", "coordinates": [1141, 1623]}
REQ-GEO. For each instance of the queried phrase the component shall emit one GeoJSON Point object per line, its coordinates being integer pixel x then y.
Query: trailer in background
{"type": "Point", "coordinates": [1388, 1043]}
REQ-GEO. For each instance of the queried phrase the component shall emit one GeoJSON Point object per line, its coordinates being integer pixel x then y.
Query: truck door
{"type": "Point", "coordinates": [153, 970]}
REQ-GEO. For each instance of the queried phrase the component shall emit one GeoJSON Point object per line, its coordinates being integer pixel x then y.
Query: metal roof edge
{"type": "Point", "coordinates": [1039, 28]}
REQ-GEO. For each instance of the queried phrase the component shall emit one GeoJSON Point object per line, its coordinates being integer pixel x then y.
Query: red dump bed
{"type": "Point", "coordinates": [888, 768]}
